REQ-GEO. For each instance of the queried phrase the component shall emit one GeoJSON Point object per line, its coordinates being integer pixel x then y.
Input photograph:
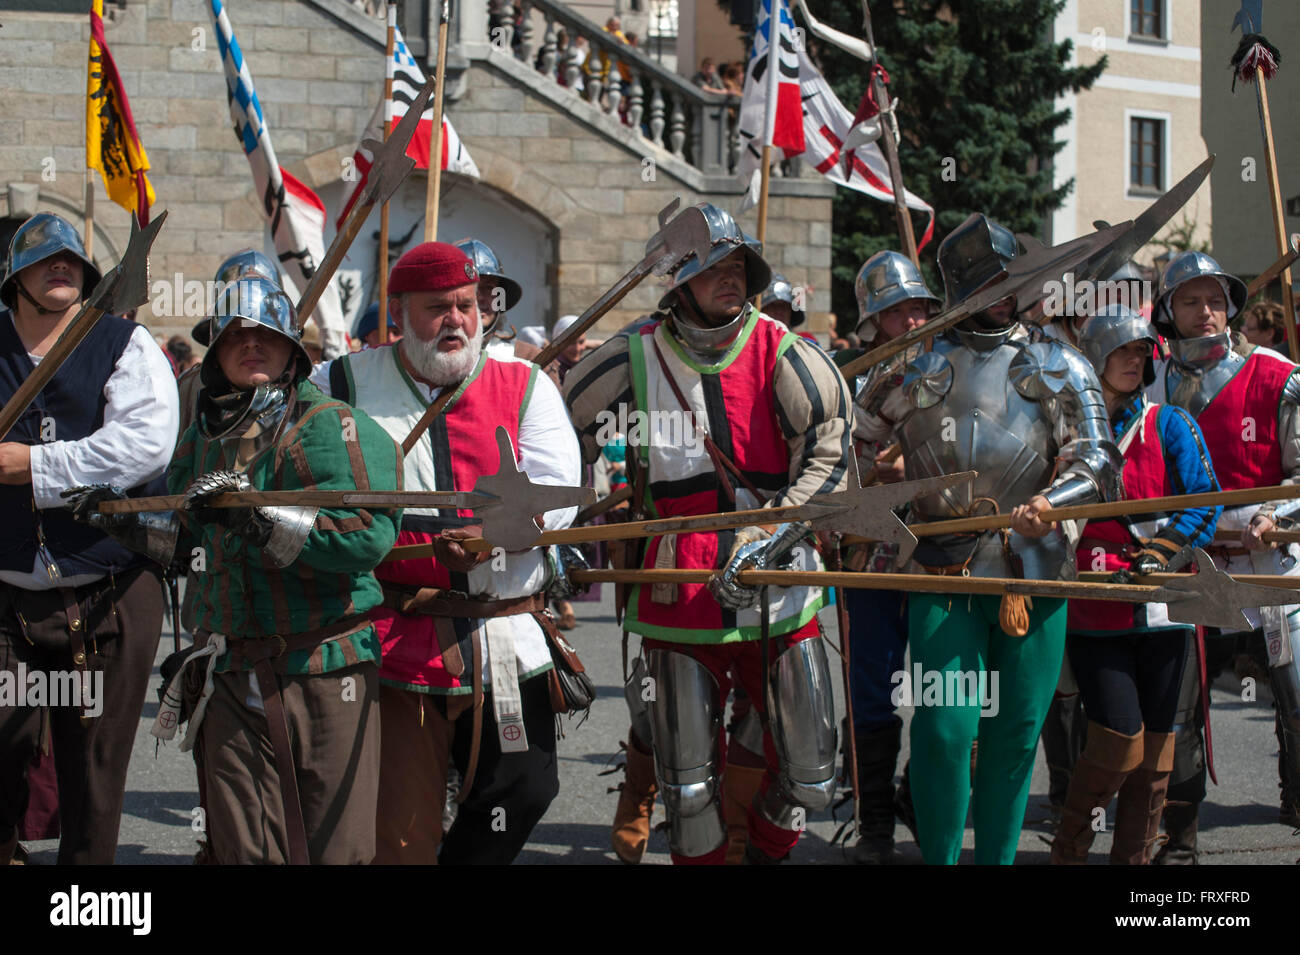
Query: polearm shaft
{"type": "Point", "coordinates": [917, 583]}
{"type": "Point", "coordinates": [1150, 505]}
{"type": "Point", "coordinates": [390, 500]}
{"type": "Point", "coordinates": [629, 530]}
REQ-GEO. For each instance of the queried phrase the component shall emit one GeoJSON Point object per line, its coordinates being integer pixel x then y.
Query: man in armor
{"type": "Point", "coordinates": [283, 682]}
{"type": "Point", "coordinates": [776, 412]}
{"type": "Point", "coordinates": [1029, 418]}
{"type": "Point", "coordinates": [73, 600]}
{"type": "Point", "coordinates": [466, 658]}
{"type": "Point", "coordinates": [497, 294]}
{"type": "Point", "coordinates": [1247, 408]}
{"type": "Point", "coordinates": [781, 302]}
{"type": "Point", "coordinates": [892, 300]}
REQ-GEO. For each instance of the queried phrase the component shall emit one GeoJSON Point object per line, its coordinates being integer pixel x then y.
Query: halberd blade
{"type": "Point", "coordinates": [128, 284]}
{"type": "Point", "coordinates": [686, 233]}
{"type": "Point", "coordinates": [508, 519]}
{"type": "Point", "coordinates": [1212, 598]}
{"type": "Point", "coordinates": [390, 164]}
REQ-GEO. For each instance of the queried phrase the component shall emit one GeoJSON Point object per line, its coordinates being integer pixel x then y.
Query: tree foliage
{"type": "Point", "coordinates": [976, 81]}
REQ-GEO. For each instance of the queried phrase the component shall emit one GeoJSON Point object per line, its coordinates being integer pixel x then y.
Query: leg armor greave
{"type": "Point", "coordinates": [1285, 681]}
{"type": "Point", "coordinates": [686, 717]}
{"type": "Point", "coordinates": [803, 730]}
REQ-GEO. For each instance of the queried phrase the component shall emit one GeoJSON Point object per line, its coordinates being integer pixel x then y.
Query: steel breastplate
{"type": "Point", "coordinates": [969, 415]}
{"type": "Point", "coordinates": [1198, 370]}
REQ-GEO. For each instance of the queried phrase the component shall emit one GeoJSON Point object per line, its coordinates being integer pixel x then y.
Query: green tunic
{"type": "Point", "coordinates": [330, 447]}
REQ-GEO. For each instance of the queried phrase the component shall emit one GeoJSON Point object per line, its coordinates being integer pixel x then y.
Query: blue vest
{"type": "Point", "coordinates": [74, 399]}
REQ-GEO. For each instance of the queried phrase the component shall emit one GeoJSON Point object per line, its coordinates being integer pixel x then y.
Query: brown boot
{"type": "Point", "coordinates": [1107, 758]}
{"type": "Point", "coordinates": [739, 787]}
{"type": "Point", "coordinates": [636, 803]}
{"type": "Point", "coordinates": [1142, 802]}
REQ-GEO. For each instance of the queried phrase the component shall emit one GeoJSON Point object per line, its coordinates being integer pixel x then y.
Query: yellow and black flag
{"type": "Point", "coordinates": [112, 144]}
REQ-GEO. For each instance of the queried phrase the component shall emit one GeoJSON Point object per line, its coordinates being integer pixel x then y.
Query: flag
{"type": "Point", "coordinates": [408, 80]}
{"type": "Point", "coordinates": [824, 124]}
{"type": "Point", "coordinates": [295, 213]}
{"type": "Point", "coordinates": [112, 144]}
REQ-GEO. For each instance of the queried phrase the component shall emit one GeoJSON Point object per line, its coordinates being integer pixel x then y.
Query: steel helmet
{"type": "Point", "coordinates": [885, 280]}
{"type": "Point", "coordinates": [42, 236]}
{"type": "Point", "coordinates": [1114, 327]}
{"type": "Point", "coordinates": [782, 291]}
{"type": "Point", "coordinates": [725, 237]}
{"type": "Point", "coordinates": [1185, 267]}
{"type": "Point", "coordinates": [254, 300]}
{"type": "Point", "coordinates": [487, 263]}
{"type": "Point", "coordinates": [973, 255]}
{"type": "Point", "coordinates": [246, 263]}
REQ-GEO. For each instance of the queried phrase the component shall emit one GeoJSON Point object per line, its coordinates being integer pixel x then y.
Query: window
{"type": "Point", "coordinates": [1146, 154]}
{"type": "Point", "coordinates": [1147, 19]}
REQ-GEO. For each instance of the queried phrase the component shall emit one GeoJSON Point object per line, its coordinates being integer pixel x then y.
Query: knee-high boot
{"type": "Point", "coordinates": [1142, 802]}
{"type": "Point", "coordinates": [1107, 758]}
{"type": "Point", "coordinates": [636, 803]}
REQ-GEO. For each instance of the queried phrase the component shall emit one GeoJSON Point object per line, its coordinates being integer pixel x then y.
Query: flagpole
{"type": "Point", "coordinates": [773, 79]}
{"type": "Point", "coordinates": [89, 237]}
{"type": "Point", "coordinates": [435, 140]}
{"type": "Point", "coordinates": [383, 209]}
{"type": "Point", "coordinates": [901, 212]}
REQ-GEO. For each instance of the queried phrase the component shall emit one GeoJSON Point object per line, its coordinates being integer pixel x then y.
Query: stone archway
{"type": "Point", "coordinates": [524, 239]}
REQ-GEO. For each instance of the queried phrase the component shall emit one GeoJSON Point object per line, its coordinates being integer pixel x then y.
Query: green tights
{"type": "Point", "coordinates": [955, 632]}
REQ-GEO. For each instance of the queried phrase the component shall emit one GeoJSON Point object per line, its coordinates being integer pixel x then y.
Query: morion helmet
{"type": "Point", "coordinates": [1114, 327]}
{"type": "Point", "coordinates": [40, 237]}
{"type": "Point", "coordinates": [254, 301]}
{"type": "Point", "coordinates": [885, 280]}
{"type": "Point", "coordinates": [1185, 267]}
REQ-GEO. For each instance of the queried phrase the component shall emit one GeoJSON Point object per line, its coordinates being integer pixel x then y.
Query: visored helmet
{"type": "Point", "coordinates": [246, 263]}
{"type": "Point", "coordinates": [1114, 327]}
{"type": "Point", "coordinates": [40, 237]}
{"type": "Point", "coordinates": [487, 263]}
{"type": "Point", "coordinates": [782, 291]}
{"type": "Point", "coordinates": [885, 280]}
{"type": "Point", "coordinates": [1185, 267]}
{"type": "Point", "coordinates": [725, 237]}
{"type": "Point", "coordinates": [973, 255]}
{"type": "Point", "coordinates": [254, 300]}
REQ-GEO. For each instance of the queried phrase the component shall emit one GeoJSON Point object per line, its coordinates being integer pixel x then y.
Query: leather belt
{"type": "Point", "coordinates": [434, 602]}
{"type": "Point", "coordinates": [261, 651]}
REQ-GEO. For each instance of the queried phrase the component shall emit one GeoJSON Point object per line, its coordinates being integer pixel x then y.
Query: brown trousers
{"type": "Point", "coordinates": [334, 733]}
{"type": "Point", "coordinates": [416, 750]}
{"type": "Point", "coordinates": [90, 759]}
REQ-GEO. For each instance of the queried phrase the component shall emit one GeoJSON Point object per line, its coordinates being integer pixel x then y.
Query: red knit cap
{"type": "Point", "coordinates": [431, 267]}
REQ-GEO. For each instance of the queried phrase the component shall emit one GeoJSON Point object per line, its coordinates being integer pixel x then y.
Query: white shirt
{"type": "Point", "coordinates": [133, 445]}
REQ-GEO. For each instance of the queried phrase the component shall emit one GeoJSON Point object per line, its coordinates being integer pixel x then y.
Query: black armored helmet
{"type": "Point", "coordinates": [973, 255]}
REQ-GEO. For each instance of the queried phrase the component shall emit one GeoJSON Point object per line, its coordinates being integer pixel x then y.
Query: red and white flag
{"type": "Point", "coordinates": [407, 82]}
{"type": "Point", "coordinates": [808, 120]}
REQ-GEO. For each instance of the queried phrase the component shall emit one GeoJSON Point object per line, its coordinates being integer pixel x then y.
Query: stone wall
{"type": "Point", "coordinates": [318, 69]}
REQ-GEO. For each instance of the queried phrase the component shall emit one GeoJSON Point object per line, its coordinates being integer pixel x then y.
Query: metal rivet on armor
{"type": "Point", "coordinates": [79, 657]}
{"type": "Point", "coordinates": [75, 625]}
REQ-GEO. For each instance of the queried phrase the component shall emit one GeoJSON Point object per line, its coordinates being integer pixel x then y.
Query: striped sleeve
{"type": "Point", "coordinates": [599, 383]}
{"type": "Point", "coordinates": [814, 411]}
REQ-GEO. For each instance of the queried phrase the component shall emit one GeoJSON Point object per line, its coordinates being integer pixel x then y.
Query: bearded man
{"type": "Point", "coordinates": [465, 652]}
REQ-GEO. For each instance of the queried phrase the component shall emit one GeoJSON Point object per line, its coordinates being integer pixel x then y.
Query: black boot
{"type": "Point", "coordinates": [903, 808]}
{"type": "Point", "coordinates": [1180, 825]}
{"type": "Point", "coordinates": [1289, 810]}
{"type": "Point", "coordinates": [877, 757]}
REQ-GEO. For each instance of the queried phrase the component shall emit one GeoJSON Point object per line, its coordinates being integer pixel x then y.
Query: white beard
{"type": "Point", "coordinates": [443, 368]}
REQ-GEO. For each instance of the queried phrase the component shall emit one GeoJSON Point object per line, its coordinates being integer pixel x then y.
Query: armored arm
{"type": "Point", "coordinates": [1089, 464]}
{"type": "Point", "coordinates": [151, 533]}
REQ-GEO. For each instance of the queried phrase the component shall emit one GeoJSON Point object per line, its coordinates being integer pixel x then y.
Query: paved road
{"type": "Point", "coordinates": [1238, 821]}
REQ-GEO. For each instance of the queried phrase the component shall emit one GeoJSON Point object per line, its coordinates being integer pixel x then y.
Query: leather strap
{"type": "Point", "coordinates": [77, 633]}
{"type": "Point", "coordinates": [433, 602]}
{"type": "Point", "coordinates": [476, 733]}
{"type": "Point", "coordinates": [426, 419]}
{"type": "Point", "coordinates": [721, 463]}
{"type": "Point", "coordinates": [1205, 703]}
{"type": "Point", "coordinates": [261, 652]}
